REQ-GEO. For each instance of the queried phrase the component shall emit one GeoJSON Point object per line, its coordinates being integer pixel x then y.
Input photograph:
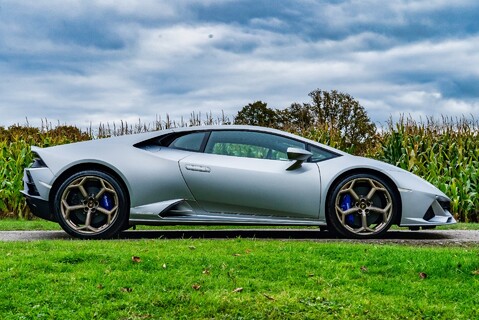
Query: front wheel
{"type": "Point", "coordinates": [362, 206]}
{"type": "Point", "coordinates": [91, 205]}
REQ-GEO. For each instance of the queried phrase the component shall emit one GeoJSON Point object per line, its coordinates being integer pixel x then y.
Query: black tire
{"type": "Point", "coordinates": [370, 210]}
{"type": "Point", "coordinates": [91, 204]}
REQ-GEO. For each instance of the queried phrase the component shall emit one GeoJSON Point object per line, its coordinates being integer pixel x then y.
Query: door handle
{"type": "Point", "coordinates": [194, 167]}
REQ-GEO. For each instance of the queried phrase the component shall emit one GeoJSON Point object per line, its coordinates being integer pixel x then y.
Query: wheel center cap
{"type": "Point", "coordinates": [91, 203]}
{"type": "Point", "coordinates": [363, 204]}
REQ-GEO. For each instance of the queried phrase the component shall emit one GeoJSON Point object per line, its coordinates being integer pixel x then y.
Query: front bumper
{"type": "Point", "coordinates": [422, 209]}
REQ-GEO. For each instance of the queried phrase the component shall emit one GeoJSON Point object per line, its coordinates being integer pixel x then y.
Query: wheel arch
{"type": "Point", "coordinates": [380, 174]}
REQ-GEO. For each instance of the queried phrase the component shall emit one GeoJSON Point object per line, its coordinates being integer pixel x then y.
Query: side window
{"type": "Point", "coordinates": [320, 154]}
{"type": "Point", "coordinates": [190, 142]}
{"type": "Point", "coordinates": [250, 144]}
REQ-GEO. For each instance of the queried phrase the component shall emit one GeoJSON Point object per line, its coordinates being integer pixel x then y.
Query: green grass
{"type": "Point", "coordinates": [39, 224]}
{"type": "Point", "coordinates": [460, 226]}
{"type": "Point", "coordinates": [22, 225]}
{"type": "Point", "coordinates": [279, 280]}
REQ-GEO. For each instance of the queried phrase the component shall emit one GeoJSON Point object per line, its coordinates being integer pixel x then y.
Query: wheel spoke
{"type": "Point", "coordinates": [379, 210]}
{"type": "Point", "coordinates": [74, 207]}
{"type": "Point", "coordinates": [364, 222]}
{"type": "Point", "coordinates": [83, 191]}
{"type": "Point", "coordinates": [347, 212]}
{"type": "Point", "coordinates": [104, 211]}
{"type": "Point", "coordinates": [348, 188]}
{"type": "Point", "coordinates": [65, 209]}
{"type": "Point", "coordinates": [371, 193]}
{"type": "Point", "coordinates": [88, 218]}
{"type": "Point", "coordinates": [87, 229]}
{"type": "Point", "coordinates": [100, 193]}
{"type": "Point", "coordinates": [109, 214]}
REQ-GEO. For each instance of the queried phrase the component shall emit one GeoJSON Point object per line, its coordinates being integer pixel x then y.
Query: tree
{"type": "Point", "coordinates": [342, 113]}
{"type": "Point", "coordinates": [297, 118]}
{"type": "Point", "coordinates": [257, 114]}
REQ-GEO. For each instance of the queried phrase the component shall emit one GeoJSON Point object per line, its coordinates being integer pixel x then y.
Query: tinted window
{"type": "Point", "coordinates": [250, 144]}
{"type": "Point", "coordinates": [320, 154]}
{"type": "Point", "coordinates": [190, 142]}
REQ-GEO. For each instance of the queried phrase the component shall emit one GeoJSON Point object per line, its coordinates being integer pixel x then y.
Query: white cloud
{"type": "Point", "coordinates": [177, 64]}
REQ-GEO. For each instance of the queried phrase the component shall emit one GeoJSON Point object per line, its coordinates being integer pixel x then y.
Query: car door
{"type": "Point", "coordinates": [246, 172]}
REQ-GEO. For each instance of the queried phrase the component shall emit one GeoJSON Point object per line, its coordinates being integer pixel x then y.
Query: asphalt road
{"type": "Point", "coordinates": [429, 237]}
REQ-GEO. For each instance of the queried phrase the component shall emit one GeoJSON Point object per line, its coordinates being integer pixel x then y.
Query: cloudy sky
{"type": "Point", "coordinates": [85, 61]}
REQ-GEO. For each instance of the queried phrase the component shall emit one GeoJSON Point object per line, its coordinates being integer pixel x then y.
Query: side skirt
{"type": "Point", "coordinates": [180, 212]}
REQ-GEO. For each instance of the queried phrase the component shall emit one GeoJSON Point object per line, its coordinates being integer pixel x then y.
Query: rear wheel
{"type": "Point", "coordinates": [362, 206]}
{"type": "Point", "coordinates": [91, 205]}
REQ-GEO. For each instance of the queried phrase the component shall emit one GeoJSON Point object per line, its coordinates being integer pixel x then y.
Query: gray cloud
{"type": "Point", "coordinates": [96, 61]}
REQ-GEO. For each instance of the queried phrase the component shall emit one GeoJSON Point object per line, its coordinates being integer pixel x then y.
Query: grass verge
{"type": "Point", "coordinates": [25, 225]}
{"type": "Point", "coordinates": [39, 224]}
{"type": "Point", "coordinates": [235, 279]}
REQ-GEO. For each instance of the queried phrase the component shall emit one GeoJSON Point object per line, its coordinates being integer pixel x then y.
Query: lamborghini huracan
{"type": "Point", "coordinates": [224, 175]}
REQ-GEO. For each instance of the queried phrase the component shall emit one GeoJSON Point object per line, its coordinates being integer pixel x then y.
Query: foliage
{"type": "Point", "coordinates": [257, 114]}
{"type": "Point", "coordinates": [241, 279]}
{"type": "Point", "coordinates": [327, 135]}
{"type": "Point", "coordinates": [297, 118]}
{"type": "Point", "coordinates": [15, 155]}
{"type": "Point", "coordinates": [342, 114]}
{"type": "Point", "coordinates": [444, 152]}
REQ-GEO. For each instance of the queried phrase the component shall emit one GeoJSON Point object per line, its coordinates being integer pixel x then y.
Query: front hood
{"type": "Point", "coordinates": [403, 178]}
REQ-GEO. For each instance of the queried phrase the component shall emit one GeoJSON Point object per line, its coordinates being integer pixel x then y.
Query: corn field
{"type": "Point", "coordinates": [15, 155]}
{"type": "Point", "coordinates": [445, 152]}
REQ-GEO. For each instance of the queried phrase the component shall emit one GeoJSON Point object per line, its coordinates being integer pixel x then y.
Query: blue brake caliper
{"type": "Point", "coordinates": [106, 201]}
{"type": "Point", "coordinates": [346, 204]}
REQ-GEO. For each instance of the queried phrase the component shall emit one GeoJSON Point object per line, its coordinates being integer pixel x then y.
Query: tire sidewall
{"type": "Point", "coordinates": [114, 228]}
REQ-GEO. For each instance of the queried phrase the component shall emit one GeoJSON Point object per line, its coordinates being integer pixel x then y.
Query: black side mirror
{"type": "Point", "coordinates": [298, 156]}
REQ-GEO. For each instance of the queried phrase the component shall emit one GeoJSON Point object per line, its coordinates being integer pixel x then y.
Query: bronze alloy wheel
{"type": "Point", "coordinates": [363, 206]}
{"type": "Point", "coordinates": [90, 204]}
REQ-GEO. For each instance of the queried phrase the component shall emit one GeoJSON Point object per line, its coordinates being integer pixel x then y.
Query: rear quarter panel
{"type": "Point", "coordinates": [150, 177]}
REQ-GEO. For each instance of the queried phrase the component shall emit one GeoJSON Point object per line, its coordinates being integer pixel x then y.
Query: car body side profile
{"type": "Point", "coordinates": [224, 175]}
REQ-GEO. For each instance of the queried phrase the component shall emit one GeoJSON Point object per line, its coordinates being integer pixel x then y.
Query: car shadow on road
{"type": "Point", "coordinates": [298, 234]}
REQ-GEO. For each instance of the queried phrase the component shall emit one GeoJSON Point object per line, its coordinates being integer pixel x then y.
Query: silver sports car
{"type": "Point", "coordinates": [224, 175]}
